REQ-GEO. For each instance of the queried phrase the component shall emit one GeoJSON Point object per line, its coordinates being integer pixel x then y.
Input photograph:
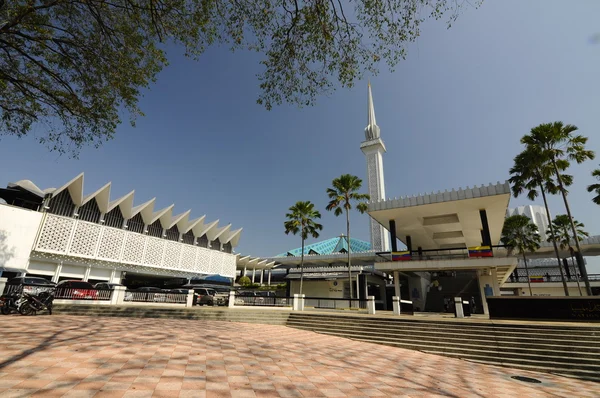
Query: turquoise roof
{"type": "Point", "coordinates": [334, 245]}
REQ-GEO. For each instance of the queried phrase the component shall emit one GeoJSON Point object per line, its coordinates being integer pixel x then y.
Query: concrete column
{"type": "Point", "coordinates": [262, 274]}
{"type": "Point", "coordinates": [189, 302]}
{"type": "Point", "coordinates": [495, 284]}
{"type": "Point", "coordinates": [57, 272]}
{"type": "Point", "coordinates": [301, 306]}
{"type": "Point", "coordinates": [485, 232]}
{"type": "Point", "coordinates": [296, 302]}
{"type": "Point", "coordinates": [393, 235]}
{"type": "Point", "coordinates": [244, 274]}
{"type": "Point", "coordinates": [371, 304]}
{"type": "Point", "coordinates": [396, 305]}
{"type": "Point", "coordinates": [86, 275]}
{"type": "Point", "coordinates": [269, 278]}
{"type": "Point", "coordinates": [253, 274]}
{"type": "Point", "coordinates": [397, 283]}
{"type": "Point", "coordinates": [459, 307]}
{"type": "Point", "coordinates": [231, 303]}
{"type": "Point", "coordinates": [486, 287]}
{"type": "Point", "coordinates": [118, 295]}
{"type": "Point", "coordinates": [2, 284]}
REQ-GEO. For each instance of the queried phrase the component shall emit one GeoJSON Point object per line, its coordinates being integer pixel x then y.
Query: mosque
{"type": "Point", "coordinates": [426, 248]}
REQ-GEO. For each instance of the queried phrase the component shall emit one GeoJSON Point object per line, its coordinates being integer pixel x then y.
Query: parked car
{"type": "Point", "coordinates": [29, 284]}
{"type": "Point", "coordinates": [76, 290]}
{"type": "Point", "coordinates": [204, 296]}
{"type": "Point", "coordinates": [106, 286]}
{"type": "Point", "coordinates": [151, 293]}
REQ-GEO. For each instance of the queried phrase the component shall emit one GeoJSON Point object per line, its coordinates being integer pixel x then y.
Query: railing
{"type": "Point", "coordinates": [82, 294]}
{"type": "Point", "coordinates": [335, 303]}
{"type": "Point", "coordinates": [264, 301]}
{"type": "Point", "coordinates": [155, 297]}
{"type": "Point", "coordinates": [544, 274]}
{"type": "Point", "coordinates": [31, 289]}
{"type": "Point", "coordinates": [594, 277]}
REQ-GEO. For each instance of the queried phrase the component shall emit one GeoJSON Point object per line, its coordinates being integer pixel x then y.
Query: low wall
{"type": "Point", "coordinates": [545, 308]}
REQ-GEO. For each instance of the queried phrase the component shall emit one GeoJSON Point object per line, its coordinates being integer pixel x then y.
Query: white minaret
{"type": "Point", "coordinates": [373, 149]}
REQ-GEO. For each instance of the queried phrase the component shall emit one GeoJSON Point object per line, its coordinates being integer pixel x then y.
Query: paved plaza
{"type": "Point", "coordinates": [69, 356]}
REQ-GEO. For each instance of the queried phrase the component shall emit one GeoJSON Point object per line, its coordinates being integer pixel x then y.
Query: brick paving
{"type": "Point", "coordinates": [73, 356]}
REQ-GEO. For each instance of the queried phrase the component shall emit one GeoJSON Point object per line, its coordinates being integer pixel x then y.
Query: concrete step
{"type": "Point", "coordinates": [581, 350]}
{"type": "Point", "coordinates": [458, 325]}
{"type": "Point", "coordinates": [590, 343]}
{"type": "Point", "coordinates": [565, 359]}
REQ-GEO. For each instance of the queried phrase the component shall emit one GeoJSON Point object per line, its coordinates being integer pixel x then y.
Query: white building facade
{"type": "Point", "coordinates": [537, 214]}
{"type": "Point", "coordinates": [67, 235]}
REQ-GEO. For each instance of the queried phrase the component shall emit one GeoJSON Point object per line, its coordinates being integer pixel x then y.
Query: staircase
{"type": "Point", "coordinates": [566, 350]}
{"type": "Point", "coordinates": [248, 315]}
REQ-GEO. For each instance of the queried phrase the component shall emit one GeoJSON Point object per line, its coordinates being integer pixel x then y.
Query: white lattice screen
{"type": "Point", "coordinates": [85, 239]}
{"type": "Point", "coordinates": [126, 247]}
{"type": "Point", "coordinates": [55, 235]}
{"type": "Point", "coordinates": [133, 251]}
{"type": "Point", "coordinates": [111, 244]}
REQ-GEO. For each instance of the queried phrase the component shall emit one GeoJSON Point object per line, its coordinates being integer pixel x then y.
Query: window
{"type": "Point", "coordinates": [188, 238]}
{"type": "Point", "coordinates": [62, 204]}
{"type": "Point", "coordinates": [114, 218]}
{"type": "Point", "coordinates": [227, 248]}
{"type": "Point", "coordinates": [89, 212]}
{"type": "Point", "coordinates": [155, 229]}
{"type": "Point", "coordinates": [203, 241]}
{"type": "Point", "coordinates": [173, 233]}
{"type": "Point", "coordinates": [136, 224]}
{"type": "Point", "coordinates": [216, 244]}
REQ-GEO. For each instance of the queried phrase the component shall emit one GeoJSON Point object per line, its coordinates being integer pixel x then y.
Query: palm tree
{"type": "Point", "coordinates": [301, 218]}
{"type": "Point", "coordinates": [528, 174]}
{"type": "Point", "coordinates": [521, 234]}
{"type": "Point", "coordinates": [564, 237]}
{"type": "Point", "coordinates": [595, 187]}
{"type": "Point", "coordinates": [344, 192]}
{"type": "Point", "coordinates": [556, 142]}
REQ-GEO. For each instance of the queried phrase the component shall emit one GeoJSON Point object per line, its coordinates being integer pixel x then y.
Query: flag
{"type": "Point", "coordinates": [480, 251]}
{"type": "Point", "coordinates": [401, 256]}
{"type": "Point", "coordinates": [536, 278]}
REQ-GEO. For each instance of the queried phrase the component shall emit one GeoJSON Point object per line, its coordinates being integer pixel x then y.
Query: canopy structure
{"type": "Point", "coordinates": [456, 219]}
{"type": "Point", "coordinates": [99, 207]}
{"type": "Point", "coordinates": [330, 246]}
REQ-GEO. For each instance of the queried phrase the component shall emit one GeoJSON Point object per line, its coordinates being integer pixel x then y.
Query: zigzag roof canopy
{"type": "Point", "coordinates": [330, 246]}
{"type": "Point", "coordinates": [102, 196]}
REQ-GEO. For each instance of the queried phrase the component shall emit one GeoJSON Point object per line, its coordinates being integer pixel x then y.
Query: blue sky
{"type": "Point", "coordinates": [451, 115]}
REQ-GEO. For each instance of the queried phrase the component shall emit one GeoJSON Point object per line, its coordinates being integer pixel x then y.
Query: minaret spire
{"type": "Point", "coordinates": [372, 129]}
{"type": "Point", "coordinates": [373, 148]}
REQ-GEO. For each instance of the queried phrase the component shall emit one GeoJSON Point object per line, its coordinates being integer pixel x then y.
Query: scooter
{"type": "Point", "coordinates": [32, 304]}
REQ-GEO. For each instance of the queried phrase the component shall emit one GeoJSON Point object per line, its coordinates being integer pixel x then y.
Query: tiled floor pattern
{"type": "Point", "coordinates": [66, 356]}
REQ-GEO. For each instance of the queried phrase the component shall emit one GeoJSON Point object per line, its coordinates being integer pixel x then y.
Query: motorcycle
{"type": "Point", "coordinates": [10, 303]}
{"type": "Point", "coordinates": [32, 304]}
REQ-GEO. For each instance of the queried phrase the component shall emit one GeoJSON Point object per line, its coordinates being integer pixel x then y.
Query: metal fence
{"type": "Point", "coordinates": [31, 289]}
{"type": "Point", "coordinates": [335, 303]}
{"type": "Point", "coordinates": [544, 274]}
{"type": "Point", "coordinates": [264, 301]}
{"type": "Point", "coordinates": [155, 297]}
{"type": "Point", "coordinates": [83, 294]}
